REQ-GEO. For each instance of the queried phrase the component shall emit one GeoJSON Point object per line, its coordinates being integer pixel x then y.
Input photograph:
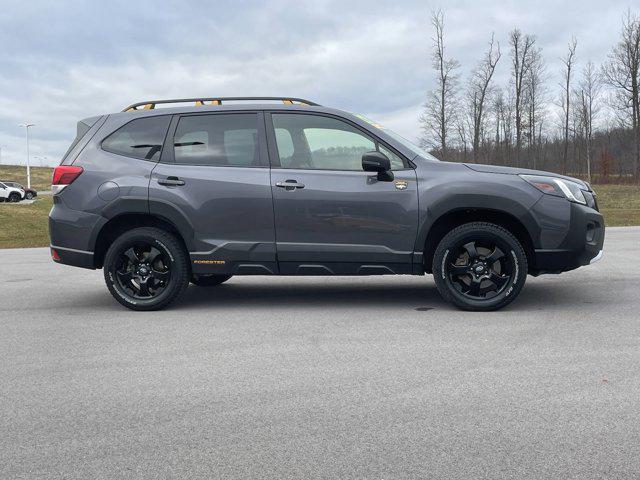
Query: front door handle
{"type": "Point", "coordinates": [290, 184]}
{"type": "Point", "coordinates": [171, 182]}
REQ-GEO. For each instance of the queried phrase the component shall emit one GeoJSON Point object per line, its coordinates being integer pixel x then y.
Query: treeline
{"type": "Point", "coordinates": [589, 127]}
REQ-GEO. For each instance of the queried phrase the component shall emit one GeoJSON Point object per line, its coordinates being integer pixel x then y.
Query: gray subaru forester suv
{"type": "Point", "coordinates": [163, 197]}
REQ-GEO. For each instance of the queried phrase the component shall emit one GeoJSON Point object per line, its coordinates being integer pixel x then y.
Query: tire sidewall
{"type": "Point", "coordinates": [449, 247]}
{"type": "Point", "coordinates": [162, 242]}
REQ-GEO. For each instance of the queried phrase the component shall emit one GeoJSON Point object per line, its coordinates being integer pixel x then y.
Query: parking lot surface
{"type": "Point", "coordinates": [368, 377]}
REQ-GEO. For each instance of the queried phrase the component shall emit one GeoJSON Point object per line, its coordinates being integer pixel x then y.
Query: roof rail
{"type": "Point", "coordinates": [151, 104]}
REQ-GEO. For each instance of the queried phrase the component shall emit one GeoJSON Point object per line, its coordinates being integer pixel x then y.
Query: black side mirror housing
{"type": "Point", "coordinates": [377, 162]}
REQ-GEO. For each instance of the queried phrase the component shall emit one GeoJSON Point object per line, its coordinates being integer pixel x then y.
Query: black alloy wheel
{"type": "Point", "coordinates": [146, 269]}
{"type": "Point", "coordinates": [479, 266]}
{"type": "Point", "coordinates": [143, 271]}
{"type": "Point", "coordinates": [480, 269]}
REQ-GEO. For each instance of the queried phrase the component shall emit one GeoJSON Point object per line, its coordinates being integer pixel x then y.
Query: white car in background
{"type": "Point", "coordinates": [10, 194]}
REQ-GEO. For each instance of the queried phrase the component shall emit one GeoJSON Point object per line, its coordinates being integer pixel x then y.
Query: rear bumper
{"type": "Point", "coordinates": [582, 245]}
{"type": "Point", "coordinates": [73, 235]}
{"type": "Point", "coordinates": [75, 258]}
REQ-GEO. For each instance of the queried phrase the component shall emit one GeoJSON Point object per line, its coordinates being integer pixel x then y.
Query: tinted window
{"type": "Point", "coordinates": [140, 138]}
{"type": "Point", "coordinates": [323, 143]}
{"type": "Point", "coordinates": [218, 140]}
{"type": "Point", "coordinates": [396, 161]}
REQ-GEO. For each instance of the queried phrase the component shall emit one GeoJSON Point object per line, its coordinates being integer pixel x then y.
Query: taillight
{"type": "Point", "coordinates": [64, 175]}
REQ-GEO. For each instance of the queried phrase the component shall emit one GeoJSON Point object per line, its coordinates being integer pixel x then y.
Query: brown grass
{"type": "Point", "coordinates": [23, 225]}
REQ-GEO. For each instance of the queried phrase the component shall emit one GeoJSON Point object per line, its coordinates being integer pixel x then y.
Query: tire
{"type": "Point", "coordinates": [479, 267]}
{"type": "Point", "coordinates": [146, 269]}
{"type": "Point", "coordinates": [29, 196]}
{"type": "Point", "coordinates": [209, 280]}
{"type": "Point", "coordinates": [14, 197]}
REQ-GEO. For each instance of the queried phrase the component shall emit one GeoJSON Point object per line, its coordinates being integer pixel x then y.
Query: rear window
{"type": "Point", "coordinates": [140, 138]}
{"type": "Point", "coordinates": [220, 140]}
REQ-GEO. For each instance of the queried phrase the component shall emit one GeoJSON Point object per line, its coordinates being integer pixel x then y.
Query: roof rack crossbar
{"type": "Point", "coordinates": [151, 104]}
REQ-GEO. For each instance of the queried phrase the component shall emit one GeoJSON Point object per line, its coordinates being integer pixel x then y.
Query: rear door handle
{"type": "Point", "coordinates": [171, 182]}
{"type": "Point", "coordinates": [290, 184]}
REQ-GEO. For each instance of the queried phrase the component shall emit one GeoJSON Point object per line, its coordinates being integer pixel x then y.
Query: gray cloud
{"type": "Point", "coordinates": [67, 60]}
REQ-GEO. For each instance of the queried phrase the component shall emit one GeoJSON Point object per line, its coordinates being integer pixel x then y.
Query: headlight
{"type": "Point", "coordinates": [559, 187]}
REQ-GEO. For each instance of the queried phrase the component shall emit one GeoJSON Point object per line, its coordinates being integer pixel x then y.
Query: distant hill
{"type": "Point", "coordinates": [40, 176]}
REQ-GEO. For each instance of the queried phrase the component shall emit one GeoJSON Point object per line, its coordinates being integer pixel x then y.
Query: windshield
{"type": "Point", "coordinates": [400, 139]}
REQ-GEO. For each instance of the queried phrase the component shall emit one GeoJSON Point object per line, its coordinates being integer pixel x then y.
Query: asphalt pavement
{"type": "Point", "coordinates": [315, 377]}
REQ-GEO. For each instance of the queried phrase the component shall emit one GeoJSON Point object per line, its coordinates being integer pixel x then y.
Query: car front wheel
{"type": "Point", "coordinates": [29, 196]}
{"type": "Point", "coordinates": [146, 269]}
{"type": "Point", "coordinates": [14, 197]}
{"type": "Point", "coordinates": [479, 266]}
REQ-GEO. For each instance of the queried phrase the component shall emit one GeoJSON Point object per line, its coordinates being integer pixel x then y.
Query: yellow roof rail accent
{"type": "Point", "coordinates": [151, 104]}
{"type": "Point", "coordinates": [202, 103]}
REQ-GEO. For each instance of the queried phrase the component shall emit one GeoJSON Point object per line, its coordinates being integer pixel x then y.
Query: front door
{"type": "Point", "coordinates": [331, 217]}
{"type": "Point", "coordinates": [213, 181]}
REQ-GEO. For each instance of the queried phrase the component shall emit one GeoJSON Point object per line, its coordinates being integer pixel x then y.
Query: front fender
{"type": "Point", "coordinates": [506, 197]}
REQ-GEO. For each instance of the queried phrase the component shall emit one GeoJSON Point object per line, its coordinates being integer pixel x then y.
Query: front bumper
{"type": "Point", "coordinates": [582, 243]}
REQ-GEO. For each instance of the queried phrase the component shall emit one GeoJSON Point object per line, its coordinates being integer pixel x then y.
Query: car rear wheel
{"type": "Point", "coordinates": [146, 269]}
{"type": "Point", "coordinates": [28, 196]}
{"type": "Point", "coordinates": [209, 280]}
{"type": "Point", "coordinates": [479, 266]}
{"type": "Point", "coordinates": [14, 197]}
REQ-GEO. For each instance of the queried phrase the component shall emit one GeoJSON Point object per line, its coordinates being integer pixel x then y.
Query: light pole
{"type": "Point", "coordinates": [1, 147]}
{"type": "Point", "coordinates": [26, 130]}
{"type": "Point", "coordinates": [43, 159]}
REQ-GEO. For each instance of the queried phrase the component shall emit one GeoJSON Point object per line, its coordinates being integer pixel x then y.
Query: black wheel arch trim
{"type": "Point", "coordinates": [479, 207]}
{"type": "Point", "coordinates": [131, 206]}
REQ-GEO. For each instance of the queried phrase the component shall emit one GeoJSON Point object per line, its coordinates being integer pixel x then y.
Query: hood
{"type": "Point", "coordinates": [520, 171]}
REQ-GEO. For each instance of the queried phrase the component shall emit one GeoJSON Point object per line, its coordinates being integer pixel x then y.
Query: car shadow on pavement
{"type": "Point", "coordinates": [262, 292]}
{"type": "Point", "coordinates": [422, 296]}
{"type": "Point", "coordinates": [294, 295]}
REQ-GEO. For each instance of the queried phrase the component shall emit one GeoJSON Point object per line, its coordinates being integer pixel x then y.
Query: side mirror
{"type": "Point", "coordinates": [379, 163]}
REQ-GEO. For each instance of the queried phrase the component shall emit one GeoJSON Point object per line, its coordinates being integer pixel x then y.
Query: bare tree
{"type": "Point", "coordinates": [622, 72]}
{"type": "Point", "coordinates": [521, 46]}
{"type": "Point", "coordinates": [439, 116]}
{"type": "Point", "coordinates": [478, 89]}
{"type": "Point", "coordinates": [567, 61]}
{"type": "Point", "coordinates": [534, 99]}
{"type": "Point", "coordinates": [588, 96]}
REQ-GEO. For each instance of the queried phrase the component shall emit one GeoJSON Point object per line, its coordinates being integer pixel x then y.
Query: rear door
{"type": "Point", "coordinates": [332, 217]}
{"type": "Point", "coordinates": [213, 182]}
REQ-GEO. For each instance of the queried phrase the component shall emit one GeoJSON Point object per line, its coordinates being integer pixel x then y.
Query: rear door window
{"type": "Point", "coordinates": [219, 140]}
{"type": "Point", "coordinates": [141, 138]}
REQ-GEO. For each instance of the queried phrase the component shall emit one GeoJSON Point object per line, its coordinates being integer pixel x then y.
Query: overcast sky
{"type": "Point", "coordinates": [66, 60]}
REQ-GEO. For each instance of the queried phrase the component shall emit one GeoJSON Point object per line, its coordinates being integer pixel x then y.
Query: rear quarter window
{"type": "Point", "coordinates": [140, 138]}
